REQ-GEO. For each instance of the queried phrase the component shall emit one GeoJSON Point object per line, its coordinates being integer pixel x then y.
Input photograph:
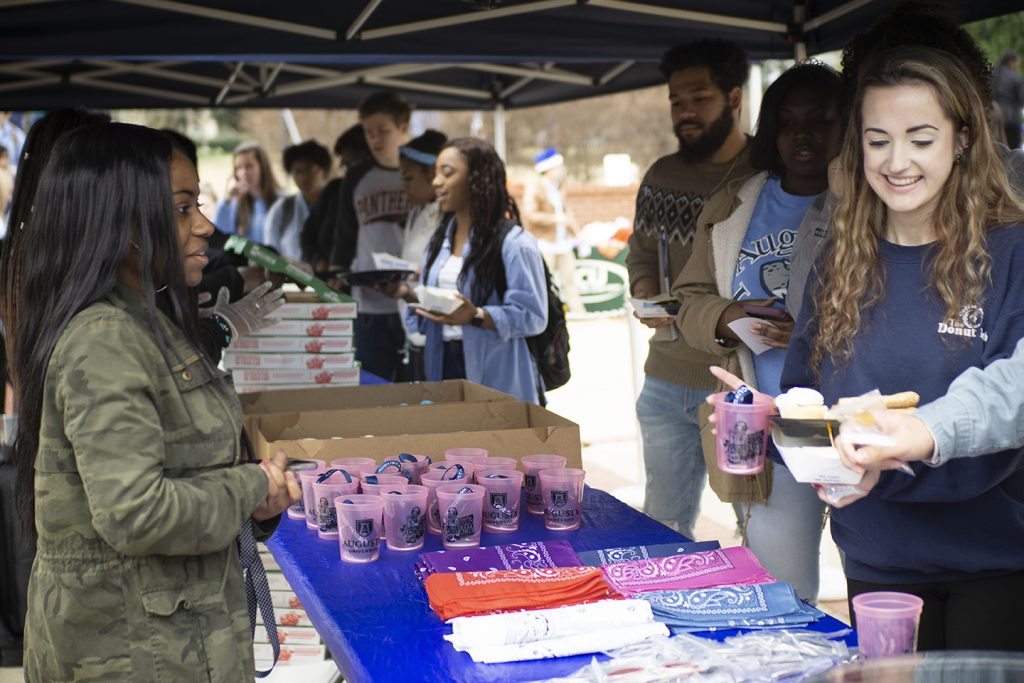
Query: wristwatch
{"type": "Point", "coordinates": [725, 342]}
{"type": "Point", "coordinates": [478, 318]}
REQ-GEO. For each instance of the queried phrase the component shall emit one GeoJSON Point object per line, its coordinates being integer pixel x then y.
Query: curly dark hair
{"type": "Point", "coordinates": [311, 151]}
{"type": "Point", "coordinates": [726, 61]}
{"type": "Point", "coordinates": [914, 23]}
{"type": "Point", "coordinates": [810, 74]}
{"type": "Point", "coordinates": [490, 206]}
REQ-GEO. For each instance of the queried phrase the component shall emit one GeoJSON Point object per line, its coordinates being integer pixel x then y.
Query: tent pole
{"type": "Point", "coordinates": [755, 92]}
{"type": "Point", "coordinates": [500, 141]}
{"type": "Point", "coordinates": [799, 18]}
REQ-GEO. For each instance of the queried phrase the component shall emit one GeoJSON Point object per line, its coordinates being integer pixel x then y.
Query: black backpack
{"type": "Point", "coordinates": [550, 348]}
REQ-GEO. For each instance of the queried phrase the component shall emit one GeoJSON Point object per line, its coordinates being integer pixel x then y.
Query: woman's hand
{"type": "Point", "coordinates": [733, 382]}
{"type": "Point", "coordinates": [282, 488]}
{"type": "Point", "coordinates": [839, 496]}
{"type": "Point", "coordinates": [776, 334]}
{"type": "Point", "coordinates": [398, 289]}
{"type": "Point", "coordinates": [913, 440]}
{"type": "Point", "coordinates": [463, 315]}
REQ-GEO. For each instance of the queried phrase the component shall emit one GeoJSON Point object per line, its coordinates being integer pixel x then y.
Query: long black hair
{"type": "Point", "coordinates": [104, 194]}
{"type": "Point", "coordinates": [490, 207]}
{"type": "Point", "coordinates": [810, 74]}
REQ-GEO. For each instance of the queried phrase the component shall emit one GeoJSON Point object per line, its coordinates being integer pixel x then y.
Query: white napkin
{"type": "Point", "coordinates": [744, 330]}
{"type": "Point", "coordinates": [585, 643]}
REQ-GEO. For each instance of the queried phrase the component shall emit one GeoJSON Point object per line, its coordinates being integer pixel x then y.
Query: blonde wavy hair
{"type": "Point", "coordinates": [977, 198]}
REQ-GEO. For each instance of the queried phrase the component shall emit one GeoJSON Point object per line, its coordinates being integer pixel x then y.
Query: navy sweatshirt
{"type": "Point", "coordinates": [962, 520]}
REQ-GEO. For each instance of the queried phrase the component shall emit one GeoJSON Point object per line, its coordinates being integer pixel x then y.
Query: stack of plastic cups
{"type": "Point", "coordinates": [452, 468]}
{"type": "Point", "coordinates": [374, 484]}
{"type": "Point", "coordinates": [562, 493]}
{"type": "Point", "coordinates": [887, 623]}
{"type": "Point", "coordinates": [326, 487]}
{"type": "Point", "coordinates": [405, 517]}
{"type": "Point", "coordinates": [432, 479]}
{"type": "Point", "coordinates": [297, 510]}
{"type": "Point", "coordinates": [360, 519]}
{"type": "Point", "coordinates": [306, 479]}
{"type": "Point", "coordinates": [496, 462]}
{"type": "Point", "coordinates": [476, 455]}
{"type": "Point", "coordinates": [461, 508]}
{"type": "Point", "coordinates": [532, 464]}
{"type": "Point", "coordinates": [503, 499]}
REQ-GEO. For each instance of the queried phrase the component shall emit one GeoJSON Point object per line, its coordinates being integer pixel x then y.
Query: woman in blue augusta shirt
{"type": "Point", "coordinates": [923, 279]}
{"type": "Point", "coordinates": [481, 250]}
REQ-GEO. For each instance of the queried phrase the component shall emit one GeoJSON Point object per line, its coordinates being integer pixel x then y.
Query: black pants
{"type": "Point", "coordinates": [380, 344]}
{"type": "Point", "coordinates": [17, 549]}
{"type": "Point", "coordinates": [977, 614]}
{"type": "Point", "coordinates": [1012, 129]}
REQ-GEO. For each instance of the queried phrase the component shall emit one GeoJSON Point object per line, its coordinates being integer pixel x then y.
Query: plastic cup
{"type": "Point", "coordinates": [887, 622]}
{"type": "Point", "coordinates": [504, 495]}
{"type": "Point", "coordinates": [414, 465]}
{"type": "Point", "coordinates": [742, 433]}
{"type": "Point", "coordinates": [306, 479]}
{"type": "Point", "coordinates": [431, 480]}
{"type": "Point", "coordinates": [324, 492]}
{"type": "Point", "coordinates": [477, 455]}
{"type": "Point", "coordinates": [405, 517]}
{"type": "Point", "coordinates": [562, 492]}
{"type": "Point", "coordinates": [360, 518]}
{"type": "Point", "coordinates": [468, 468]}
{"type": "Point", "coordinates": [532, 464]}
{"type": "Point", "coordinates": [389, 481]}
{"type": "Point", "coordinates": [355, 464]}
{"type": "Point", "coordinates": [461, 514]}
{"type": "Point", "coordinates": [496, 462]}
{"type": "Point", "coordinates": [297, 510]}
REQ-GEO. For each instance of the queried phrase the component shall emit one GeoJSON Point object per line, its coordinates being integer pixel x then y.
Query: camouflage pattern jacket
{"type": "Point", "coordinates": [139, 494]}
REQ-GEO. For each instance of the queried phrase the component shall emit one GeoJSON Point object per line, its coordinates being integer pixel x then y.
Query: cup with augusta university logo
{"type": "Point", "coordinates": [431, 480]}
{"type": "Point", "coordinates": [532, 464]}
{"type": "Point", "coordinates": [306, 479]}
{"type": "Point", "coordinates": [461, 507]}
{"type": "Point", "coordinates": [359, 521]}
{"type": "Point", "coordinates": [562, 491]}
{"type": "Point", "coordinates": [405, 517]}
{"type": "Point", "coordinates": [297, 510]}
{"type": "Point", "coordinates": [742, 433]}
{"type": "Point", "coordinates": [326, 487]}
{"type": "Point", "coordinates": [501, 504]}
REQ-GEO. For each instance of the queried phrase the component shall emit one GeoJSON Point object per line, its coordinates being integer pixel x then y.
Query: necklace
{"type": "Point", "coordinates": [726, 176]}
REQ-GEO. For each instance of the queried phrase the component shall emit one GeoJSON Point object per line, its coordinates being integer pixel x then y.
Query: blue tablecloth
{"type": "Point", "coordinates": [366, 377]}
{"type": "Point", "coordinates": [377, 623]}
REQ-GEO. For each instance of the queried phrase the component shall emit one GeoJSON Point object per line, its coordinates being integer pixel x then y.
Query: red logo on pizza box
{"type": "Point", "coordinates": [314, 346]}
{"type": "Point", "coordinates": [314, 330]}
{"type": "Point", "coordinates": [315, 363]}
{"type": "Point", "coordinates": [321, 313]}
{"type": "Point", "coordinates": [324, 377]}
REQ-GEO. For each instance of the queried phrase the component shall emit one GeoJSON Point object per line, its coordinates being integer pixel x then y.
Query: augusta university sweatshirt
{"type": "Point", "coordinates": [965, 519]}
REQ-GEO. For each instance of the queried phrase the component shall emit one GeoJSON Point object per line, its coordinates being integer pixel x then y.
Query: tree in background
{"type": "Point", "coordinates": [999, 34]}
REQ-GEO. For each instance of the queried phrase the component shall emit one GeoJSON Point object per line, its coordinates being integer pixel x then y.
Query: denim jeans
{"type": "Point", "coordinates": [380, 344]}
{"type": "Point", "coordinates": [670, 430]}
{"type": "Point", "coordinates": [785, 533]}
{"type": "Point", "coordinates": [454, 360]}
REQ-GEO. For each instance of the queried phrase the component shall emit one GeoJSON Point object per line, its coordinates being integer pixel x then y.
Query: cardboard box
{"type": "Point", "coordinates": [290, 654]}
{"type": "Point", "coordinates": [298, 376]}
{"type": "Point", "coordinates": [234, 360]}
{"type": "Point", "coordinates": [507, 428]}
{"type": "Point", "coordinates": [370, 396]}
{"type": "Point", "coordinates": [307, 306]}
{"type": "Point", "coordinates": [292, 345]}
{"type": "Point", "coordinates": [277, 582]}
{"type": "Point", "coordinates": [258, 388]}
{"type": "Point", "coordinates": [293, 635]}
{"type": "Point", "coordinates": [285, 599]}
{"type": "Point", "coordinates": [307, 328]}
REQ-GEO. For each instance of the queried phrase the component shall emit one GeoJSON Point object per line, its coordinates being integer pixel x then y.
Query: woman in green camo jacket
{"type": "Point", "coordinates": [129, 453]}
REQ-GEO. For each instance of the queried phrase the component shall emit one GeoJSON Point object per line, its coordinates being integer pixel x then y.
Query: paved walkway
{"type": "Point", "coordinates": [607, 373]}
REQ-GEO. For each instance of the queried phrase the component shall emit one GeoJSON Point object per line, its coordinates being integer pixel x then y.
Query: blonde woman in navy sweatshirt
{"type": "Point", "coordinates": [924, 278]}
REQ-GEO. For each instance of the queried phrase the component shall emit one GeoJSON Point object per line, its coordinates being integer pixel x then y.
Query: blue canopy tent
{"type": "Point", "coordinates": [442, 54]}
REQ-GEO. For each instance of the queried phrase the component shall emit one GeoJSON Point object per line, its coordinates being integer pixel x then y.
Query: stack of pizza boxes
{"type": "Point", "coordinates": [309, 344]}
{"type": "Point", "coordinates": [300, 642]}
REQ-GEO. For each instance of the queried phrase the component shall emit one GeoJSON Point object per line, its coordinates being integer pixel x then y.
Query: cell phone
{"type": "Point", "coordinates": [297, 465]}
{"type": "Point", "coordinates": [764, 311]}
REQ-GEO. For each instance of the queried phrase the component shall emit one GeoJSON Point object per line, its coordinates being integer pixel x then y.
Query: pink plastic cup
{"type": "Point", "coordinates": [324, 492]}
{"type": "Point", "coordinates": [390, 481]}
{"type": "Point", "coordinates": [452, 469]}
{"type": "Point", "coordinates": [414, 465]}
{"type": "Point", "coordinates": [306, 479]}
{"type": "Point", "coordinates": [298, 510]}
{"type": "Point", "coordinates": [477, 455]}
{"type": "Point", "coordinates": [461, 507]}
{"type": "Point", "coordinates": [405, 517]}
{"type": "Point", "coordinates": [355, 465]}
{"type": "Point", "coordinates": [504, 495]}
{"type": "Point", "coordinates": [360, 518]}
{"type": "Point", "coordinates": [742, 433]}
{"type": "Point", "coordinates": [887, 622]}
{"type": "Point", "coordinates": [532, 464]}
{"type": "Point", "coordinates": [432, 480]}
{"type": "Point", "coordinates": [562, 492]}
{"type": "Point", "coordinates": [496, 462]}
